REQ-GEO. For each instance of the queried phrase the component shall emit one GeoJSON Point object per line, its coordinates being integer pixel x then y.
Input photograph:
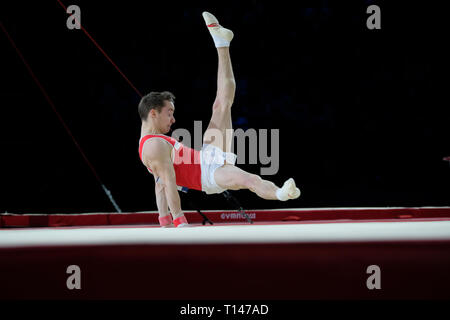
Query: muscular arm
{"type": "Point", "coordinates": [161, 201]}
{"type": "Point", "coordinates": [157, 155]}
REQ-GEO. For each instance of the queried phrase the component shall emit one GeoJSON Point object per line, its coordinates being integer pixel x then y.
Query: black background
{"type": "Point", "coordinates": [362, 113]}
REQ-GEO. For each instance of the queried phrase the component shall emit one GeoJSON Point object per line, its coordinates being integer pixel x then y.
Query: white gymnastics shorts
{"type": "Point", "coordinates": [211, 158]}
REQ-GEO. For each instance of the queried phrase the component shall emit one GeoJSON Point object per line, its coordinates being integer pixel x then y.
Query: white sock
{"type": "Point", "coordinates": [282, 195]}
{"type": "Point", "coordinates": [220, 42]}
{"type": "Point", "coordinates": [221, 36]}
{"type": "Point", "coordinates": [288, 191]}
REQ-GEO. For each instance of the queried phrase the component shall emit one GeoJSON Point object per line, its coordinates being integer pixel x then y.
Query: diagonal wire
{"type": "Point", "coordinates": [52, 105]}
{"type": "Point", "coordinates": [103, 52]}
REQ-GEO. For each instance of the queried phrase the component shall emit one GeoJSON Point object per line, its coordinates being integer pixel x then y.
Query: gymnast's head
{"type": "Point", "coordinates": [156, 110]}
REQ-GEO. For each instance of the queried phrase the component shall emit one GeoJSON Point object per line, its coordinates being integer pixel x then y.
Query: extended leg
{"type": "Point", "coordinates": [233, 178]}
{"type": "Point", "coordinates": [226, 84]}
{"type": "Point", "coordinates": [220, 128]}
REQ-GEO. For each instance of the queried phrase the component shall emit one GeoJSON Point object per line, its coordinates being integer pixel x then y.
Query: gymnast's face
{"type": "Point", "coordinates": [165, 118]}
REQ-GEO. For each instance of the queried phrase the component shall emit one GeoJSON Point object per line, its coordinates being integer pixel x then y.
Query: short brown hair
{"type": "Point", "coordinates": [154, 100]}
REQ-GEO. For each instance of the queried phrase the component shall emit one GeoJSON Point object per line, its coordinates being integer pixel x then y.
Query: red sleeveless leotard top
{"type": "Point", "coordinates": [186, 162]}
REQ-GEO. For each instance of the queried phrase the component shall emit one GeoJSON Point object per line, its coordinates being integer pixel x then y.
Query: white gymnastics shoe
{"type": "Point", "coordinates": [221, 36]}
{"type": "Point", "coordinates": [288, 191]}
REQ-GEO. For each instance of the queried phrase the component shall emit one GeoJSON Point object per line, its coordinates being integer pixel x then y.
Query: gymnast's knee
{"type": "Point", "coordinates": [250, 181]}
{"type": "Point", "coordinates": [222, 105]}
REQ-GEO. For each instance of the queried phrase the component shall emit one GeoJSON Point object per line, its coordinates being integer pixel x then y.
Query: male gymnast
{"type": "Point", "coordinates": [210, 170]}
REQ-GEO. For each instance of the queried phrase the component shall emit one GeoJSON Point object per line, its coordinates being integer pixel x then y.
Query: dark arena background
{"type": "Point", "coordinates": [362, 116]}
